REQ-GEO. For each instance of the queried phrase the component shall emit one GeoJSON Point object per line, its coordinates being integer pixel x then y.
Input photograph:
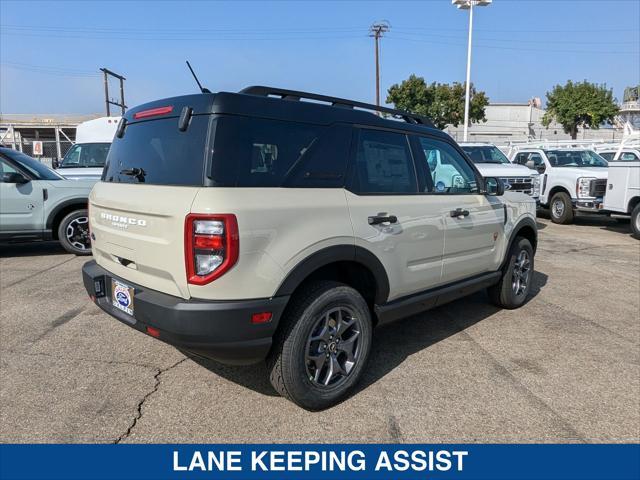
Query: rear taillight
{"type": "Point", "coordinates": [211, 246]}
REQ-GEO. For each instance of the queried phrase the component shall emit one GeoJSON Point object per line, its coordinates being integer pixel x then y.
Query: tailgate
{"type": "Point", "coordinates": [139, 233]}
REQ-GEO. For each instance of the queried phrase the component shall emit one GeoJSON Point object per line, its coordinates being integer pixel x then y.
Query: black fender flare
{"type": "Point", "coordinates": [525, 222]}
{"type": "Point", "coordinates": [338, 253]}
{"type": "Point", "coordinates": [62, 205]}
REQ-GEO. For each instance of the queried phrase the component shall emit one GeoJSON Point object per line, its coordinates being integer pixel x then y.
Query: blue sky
{"type": "Point", "coordinates": [50, 52]}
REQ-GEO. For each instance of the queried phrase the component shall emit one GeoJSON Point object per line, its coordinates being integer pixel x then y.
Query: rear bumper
{"type": "Point", "coordinates": [218, 330]}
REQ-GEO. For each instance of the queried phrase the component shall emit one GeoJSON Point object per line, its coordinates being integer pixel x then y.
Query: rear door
{"type": "Point", "coordinates": [390, 212]}
{"type": "Point", "coordinates": [473, 222]}
{"type": "Point", "coordinates": [138, 211]}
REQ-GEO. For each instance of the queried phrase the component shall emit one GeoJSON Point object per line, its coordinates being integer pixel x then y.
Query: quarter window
{"type": "Point", "coordinates": [449, 170]}
{"type": "Point", "coordinates": [383, 164]}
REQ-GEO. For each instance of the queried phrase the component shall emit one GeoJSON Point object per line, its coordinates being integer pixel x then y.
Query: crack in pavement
{"type": "Point", "coordinates": [82, 359]}
{"type": "Point", "coordinates": [141, 403]}
{"type": "Point", "coordinates": [506, 373]}
{"type": "Point", "coordinates": [39, 273]}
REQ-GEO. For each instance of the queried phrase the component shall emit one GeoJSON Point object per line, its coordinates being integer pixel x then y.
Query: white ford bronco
{"type": "Point", "coordinates": [260, 225]}
{"type": "Point", "coordinates": [573, 179]}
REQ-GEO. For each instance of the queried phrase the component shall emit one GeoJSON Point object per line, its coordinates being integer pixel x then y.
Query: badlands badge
{"type": "Point", "coordinates": [122, 296]}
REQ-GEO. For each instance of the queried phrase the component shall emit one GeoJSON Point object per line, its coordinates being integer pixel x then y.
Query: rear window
{"type": "Point", "coordinates": [156, 152]}
{"type": "Point", "coordinates": [258, 152]}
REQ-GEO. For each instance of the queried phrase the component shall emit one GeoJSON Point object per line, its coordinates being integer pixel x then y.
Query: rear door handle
{"type": "Point", "coordinates": [378, 219]}
{"type": "Point", "coordinates": [459, 213]}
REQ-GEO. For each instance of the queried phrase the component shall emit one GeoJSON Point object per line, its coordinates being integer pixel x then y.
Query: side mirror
{"type": "Point", "coordinates": [55, 163]}
{"type": "Point", "coordinates": [530, 164]}
{"type": "Point", "coordinates": [13, 177]}
{"type": "Point", "coordinates": [541, 168]}
{"type": "Point", "coordinates": [493, 187]}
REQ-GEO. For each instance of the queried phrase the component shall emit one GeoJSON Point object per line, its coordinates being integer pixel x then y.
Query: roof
{"type": "Point", "coordinates": [290, 105]}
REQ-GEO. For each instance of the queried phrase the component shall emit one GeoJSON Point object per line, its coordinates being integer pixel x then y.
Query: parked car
{"type": "Point", "coordinates": [85, 159]}
{"type": "Point", "coordinates": [38, 204]}
{"type": "Point", "coordinates": [573, 179]}
{"type": "Point", "coordinates": [623, 191]}
{"type": "Point", "coordinates": [255, 225]}
{"type": "Point", "coordinates": [491, 162]}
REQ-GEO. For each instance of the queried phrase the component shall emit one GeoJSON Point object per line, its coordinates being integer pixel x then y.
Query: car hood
{"type": "Point", "coordinates": [503, 170]}
{"type": "Point", "coordinates": [595, 172]}
{"type": "Point", "coordinates": [79, 185]}
{"type": "Point", "coordinates": [80, 173]}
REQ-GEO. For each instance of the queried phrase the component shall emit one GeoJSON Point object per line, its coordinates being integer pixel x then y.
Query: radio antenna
{"type": "Point", "coordinates": [202, 89]}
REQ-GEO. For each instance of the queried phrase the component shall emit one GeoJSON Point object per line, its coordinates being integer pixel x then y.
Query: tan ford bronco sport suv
{"type": "Point", "coordinates": [282, 225]}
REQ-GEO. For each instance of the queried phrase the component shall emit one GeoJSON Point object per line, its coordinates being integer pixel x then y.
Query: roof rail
{"type": "Point", "coordinates": [336, 102]}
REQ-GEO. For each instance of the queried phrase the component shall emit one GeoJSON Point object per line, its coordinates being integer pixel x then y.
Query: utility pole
{"type": "Point", "coordinates": [376, 31]}
{"type": "Point", "coordinates": [107, 100]}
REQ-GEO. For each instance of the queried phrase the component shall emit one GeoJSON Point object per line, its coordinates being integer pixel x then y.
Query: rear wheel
{"type": "Point", "coordinates": [73, 233]}
{"type": "Point", "coordinates": [635, 222]}
{"type": "Point", "coordinates": [561, 208]}
{"type": "Point", "coordinates": [513, 288]}
{"type": "Point", "coordinates": [322, 345]}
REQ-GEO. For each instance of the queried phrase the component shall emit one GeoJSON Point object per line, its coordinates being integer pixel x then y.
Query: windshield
{"type": "Point", "coordinates": [485, 154]}
{"type": "Point", "coordinates": [37, 169]}
{"type": "Point", "coordinates": [86, 155]}
{"type": "Point", "coordinates": [575, 158]}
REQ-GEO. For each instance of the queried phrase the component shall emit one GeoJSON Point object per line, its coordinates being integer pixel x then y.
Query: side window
{"type": "Point", "coordinates": [449, 170]}
{"type": "Point", "coordinates": [325, 163]}
{"type": "Point", "coordinates": [257, 152]}
{"type": "Point", "coordinates": [628, 157]}
{"type": "Point", "coordinates": [521, 158]}
{"type": "Point", "coordinates": [537, 159]}
{"type": "Point", "coordinates": [6, 168]}
{"type": "Point", "coordinates": [383, 164]}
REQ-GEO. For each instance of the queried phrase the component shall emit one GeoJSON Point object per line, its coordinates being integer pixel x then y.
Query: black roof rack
{"type": "Point", "coordinates": [334, 101]}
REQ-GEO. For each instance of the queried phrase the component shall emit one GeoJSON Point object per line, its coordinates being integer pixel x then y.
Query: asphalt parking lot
{"type": "Point", "coordinates": [564, 368]}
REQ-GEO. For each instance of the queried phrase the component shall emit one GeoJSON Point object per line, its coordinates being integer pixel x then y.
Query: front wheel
{"type": "Point", "coordinates": [514, 285]}
{"type": "Point", "coordinates": [322, 345]}
{"type": "Point", "coordinates": [73, 233]}
{"type": "Point", "coordinates": [561, 208]}
{"type": "Point", "coordinates": [635, 222]}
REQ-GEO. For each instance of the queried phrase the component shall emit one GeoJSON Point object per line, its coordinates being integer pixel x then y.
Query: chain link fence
{"type": "Point", "coordinates": [49, 149]}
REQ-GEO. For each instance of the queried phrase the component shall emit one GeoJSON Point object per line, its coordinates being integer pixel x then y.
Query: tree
{"type": "Point", "coordinates": [580, 105]}
{"type": "Point", "coordinates": [441, 102]}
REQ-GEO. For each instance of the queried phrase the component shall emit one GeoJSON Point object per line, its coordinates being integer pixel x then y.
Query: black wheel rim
{"type": "Point", "coordinates": [333, 347]}
{"type": "Point", "coordinates": [521, 273]}
{"type": "Point", "coordinates": [77, 233]}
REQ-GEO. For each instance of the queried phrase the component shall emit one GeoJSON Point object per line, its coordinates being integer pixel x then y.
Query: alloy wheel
{"type": "Point", "coordinates": [333, 347]}
{"type": "Point", "coordinates": [521, 273]}
{"type": "Point", "coordinates": [77, 233]}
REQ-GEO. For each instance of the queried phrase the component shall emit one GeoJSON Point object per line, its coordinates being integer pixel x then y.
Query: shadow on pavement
{"type": "Point", "coordinates": [392, 344]}
{"type": "Point", "coordinates": [31, 249]}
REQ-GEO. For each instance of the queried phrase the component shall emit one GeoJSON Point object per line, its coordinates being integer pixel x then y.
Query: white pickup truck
{"type": "Point", "coordinates": [85, 159]}
{"type": "Point", "coordinates": [491, 162]}
{"type": "Point", "coordinates": [573, 179]}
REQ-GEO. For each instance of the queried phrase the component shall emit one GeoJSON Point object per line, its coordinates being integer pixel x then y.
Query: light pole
{"type": "Point", "coordinates": [468, 5]}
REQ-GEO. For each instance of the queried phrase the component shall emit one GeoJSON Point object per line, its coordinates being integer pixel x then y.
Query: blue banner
{"type": "Point", "coordinates": [370, 461]}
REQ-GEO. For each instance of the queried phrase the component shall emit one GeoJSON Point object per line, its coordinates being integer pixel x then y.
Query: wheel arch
{"type": "Point", "coordinates": [526, 228]}
{"type": "Point", "coordinates": [558, 189]}
{"type": "Point", "coordinates": [632, 204]}
{"type": "Point", "coordinates": [60, 211]}
{"type": "Point", "coordinates": [353, 265]}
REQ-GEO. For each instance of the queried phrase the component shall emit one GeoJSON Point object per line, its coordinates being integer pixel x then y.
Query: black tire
{"type": "Point", "coordinates": [504, 294]}
{"type": "Point", "coordinates": [292, 369]}
{"type": "Point", "coordinates": [561, 209]}
{"type": "Point", "coordinates": [635, 222]}
{"type": "Point", "coordinates": [77, 239]}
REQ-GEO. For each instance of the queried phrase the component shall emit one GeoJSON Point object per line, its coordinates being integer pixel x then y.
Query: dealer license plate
{"type": "Point", "coordinates": [122, 296]}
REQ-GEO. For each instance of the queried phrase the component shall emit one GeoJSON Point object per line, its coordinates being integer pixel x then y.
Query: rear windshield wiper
{"type": "Point", "coordinates": [136, 172]}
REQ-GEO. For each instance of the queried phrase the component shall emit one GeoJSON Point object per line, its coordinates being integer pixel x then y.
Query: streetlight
{"type": "Point", "coordinates": [468, 5]}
